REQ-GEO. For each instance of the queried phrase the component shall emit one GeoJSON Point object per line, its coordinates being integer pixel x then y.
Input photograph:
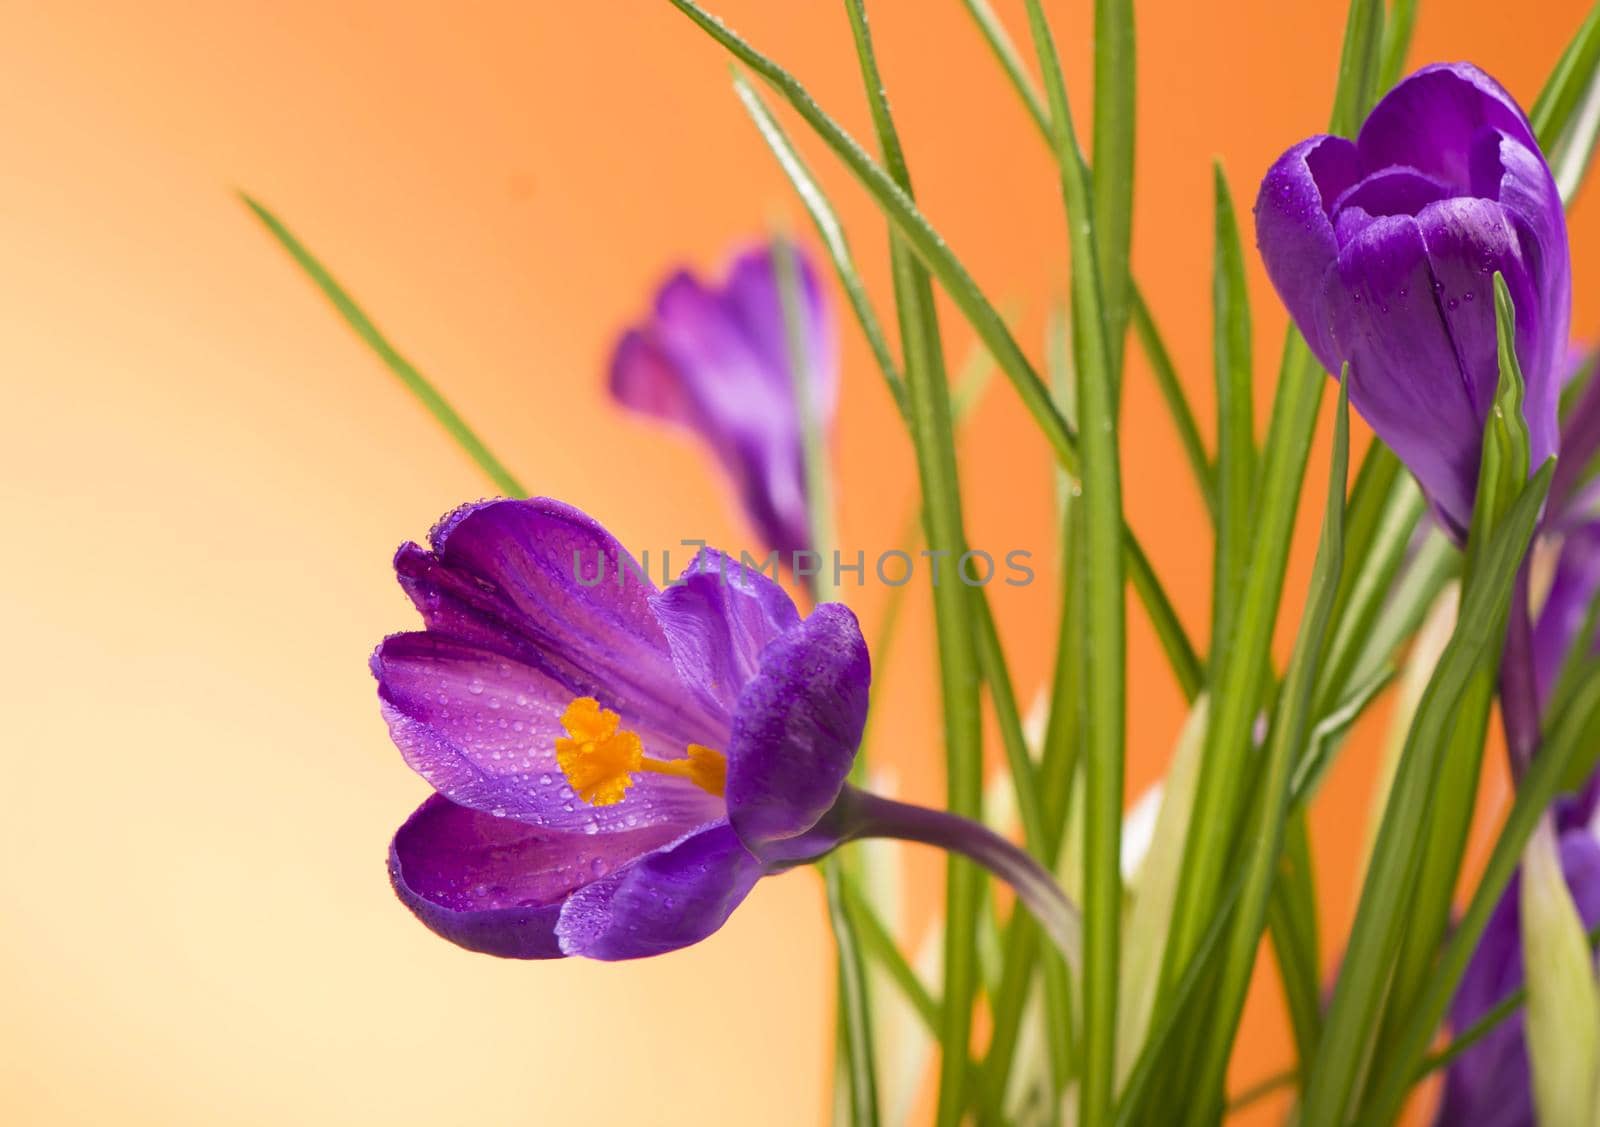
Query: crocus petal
{"type": "Point", "coordinates": [717, 362]}
{"type": "Point", "coordinates": [497, 886]}
{"type": "Point", "coordinates": [797, 729]}
{"type": "Point", "coordinates": [754, 299]}
{"type": "Point", "coordinates": [1573, 587]}
{"type": "Point", "coordinates": [717, 619]}
{"type": "Point", "coordinates": [1405, 379]}
{"type": "Point", "coordinates": [482, 730]}
{"type": "Point", "coordinates": [663, 901]}
{"type": "Point", "coordinates": [1431, 119]}
{"type": "Point", "coordinates": [1295, 234]}
{"type": "Point", "coordinates": [1468, 240]}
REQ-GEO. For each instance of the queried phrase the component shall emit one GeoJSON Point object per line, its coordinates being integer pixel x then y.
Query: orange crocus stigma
{"type": "Point", "coordinates": [600, 758]}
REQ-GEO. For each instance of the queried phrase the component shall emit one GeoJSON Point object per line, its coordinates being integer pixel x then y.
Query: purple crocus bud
{"type": "Point", "coordinates": [717, 361]}
{"type": "Point", "coordinates": [1491, 1084]}
{"type": "Point", "coordinates": [615, 765]}
{"type": "Point", "coordinates": [1383, 249]}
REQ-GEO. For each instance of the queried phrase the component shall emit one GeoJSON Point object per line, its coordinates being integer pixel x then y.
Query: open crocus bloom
{"type": "Point", "coordinates": [716, 360]}
{"type": "Point", "coordinates": [1383, 249]}
{"type": "Point", "coordinates": [616, 765]}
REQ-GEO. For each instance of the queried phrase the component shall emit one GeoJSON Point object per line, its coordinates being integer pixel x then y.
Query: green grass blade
{"type": "Point", "coordinates": [1111, 187]}
{"type": "Point", "coordinates": [1564, 91]}
{"type": "Point", "coordinates": [413, 380]}
{"type": "Point", "coordinates": [1010, 60]}
{"type": "Point", "coordinates": [1104, 636]}
{"type": "Point", "coordinates": [826, 221]}
{"type": "Point", "coordinates": [1241, 678]}
{"type": "Point", "coordinates": [856, 1018]}
{"type": "Point", "coordinates": [1333, 1086]}
{"type": "Point", "coordinates": [1173, 395]}
{"type": "Point", "coordinates": [932, 433]}
{"type": "Point", "coordinates": [1290, 731]}
{"type": "Point", "coordinates": [1397, 31]}
{"type": "Point", "coordinates": [1236, 440]}
{"type": "Point", "coordinates": [1358, 66]}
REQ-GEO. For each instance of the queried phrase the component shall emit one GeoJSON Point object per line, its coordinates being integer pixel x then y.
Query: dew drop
{"type": "Point", "coordinates": [499, 811]}
{"type": "Point", "coordinates": [544, 780]}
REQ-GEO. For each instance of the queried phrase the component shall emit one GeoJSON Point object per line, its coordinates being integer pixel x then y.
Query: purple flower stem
{"type": "Point", "coordinates": [1519, 695]}
{"type": "Point", "coordinates": [870, 815]}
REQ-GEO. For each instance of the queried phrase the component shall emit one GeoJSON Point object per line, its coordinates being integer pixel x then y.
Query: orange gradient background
{"type": "Point", "coordinates": [205, 476]}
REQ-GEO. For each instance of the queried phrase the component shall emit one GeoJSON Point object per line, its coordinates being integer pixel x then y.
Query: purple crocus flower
{"type": "Point", "coordinates": [1490, 1084]}
{"type": "Point", "coordinates": [717, 361]}
{"type": "Point", "coordinates": [615, 765]}
{"type": "Point", "coordinates": [1383, 250]}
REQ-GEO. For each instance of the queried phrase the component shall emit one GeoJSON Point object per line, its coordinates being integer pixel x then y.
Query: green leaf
{"type": "Point", "coordinates": [1236, 445]}
{"type": "Point", "coordinates": [1565, 91]}
{"type": "Point", "coordinates": [1104, 636]}
{"type": "Point", "coordinates": [856, 1017]}
{"type": "Point", "coordinates": [414, 381]}
{"type": "Point", "coordinates": [928, 396]}
{"type": "Point", "coordinates": [1333, 1086]}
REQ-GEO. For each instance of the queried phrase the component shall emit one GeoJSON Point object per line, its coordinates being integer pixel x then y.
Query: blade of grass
{"type": "Point", "coordinates": [1173, 395]}
{"type": "Point", "coordinates": [1397, 31]}
{"type": "Point", "coordinates": [1358, 66]}
{"type": "Point", "coordinates": [1236, 442]}
{"type": "Point", "coordinates": [1111, 186]}
{"type": "Point", "coordinates": [414, 381]}
{"type": "Point", "coordinates": [928, 395]}
{"type": "Point", "coordinates": [1564, 91]}
{"type": "Point", "coordinates": [1104, 639]}
{"type": "Point", "coordinates": [1290, 731]}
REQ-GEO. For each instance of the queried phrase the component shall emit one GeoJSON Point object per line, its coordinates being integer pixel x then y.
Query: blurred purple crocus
{"type": "Point", "coordinates": [716, 360]}
{"type": "Point", "coordinates": [1490, 1084]}
{"type": "Point", "coordinates": [615, 765]}
{"type": "Point", "coordinates": [1383, 250]}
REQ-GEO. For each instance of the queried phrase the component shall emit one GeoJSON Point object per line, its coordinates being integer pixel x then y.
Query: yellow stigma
{"type": "Point", "coordinates": [599, 758]}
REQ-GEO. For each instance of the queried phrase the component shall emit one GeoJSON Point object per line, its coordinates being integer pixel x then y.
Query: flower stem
{"type": "Point", "coordinates": [871, 815]}
{"type": "Point", "coordinates": [1519, 699]}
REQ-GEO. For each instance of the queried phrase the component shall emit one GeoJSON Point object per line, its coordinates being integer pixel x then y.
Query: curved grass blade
{"type": "Point", "coordinates": [1104, 635]}
{"type": "Point", "coordinates": [1397, 29]}
{"type": "Point", "coordinates": [414, 381]}
{"type": "Point", "coordinates": [1564, 90]}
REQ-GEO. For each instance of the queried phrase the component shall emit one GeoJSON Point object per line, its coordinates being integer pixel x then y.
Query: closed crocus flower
{"type": "Point", "coordinates": [1384, 249]}
{"type": "Point", "coordinates": [716, 359]}
{"type": "Point", "coordinates": [615, 765]}
{"type": "Point", "coordinates": [1490, 1084]}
